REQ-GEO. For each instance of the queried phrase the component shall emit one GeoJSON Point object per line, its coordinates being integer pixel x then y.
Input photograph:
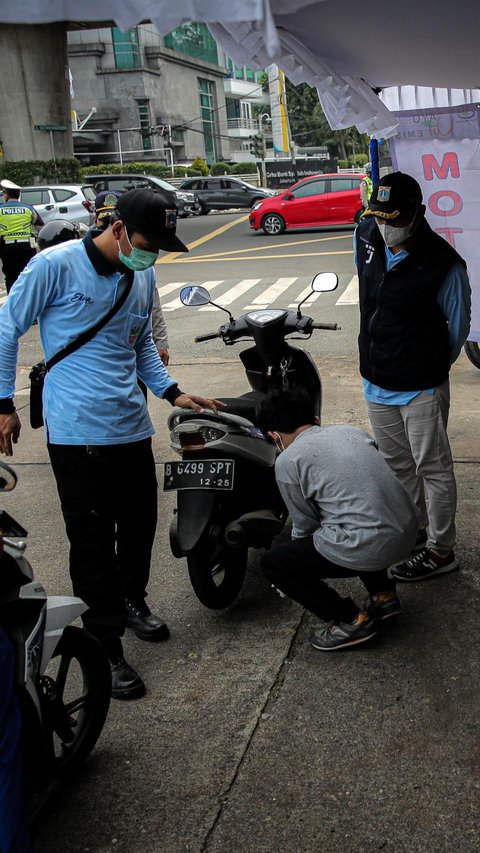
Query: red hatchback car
{"type": "Point", "coordinates": [332, 199]}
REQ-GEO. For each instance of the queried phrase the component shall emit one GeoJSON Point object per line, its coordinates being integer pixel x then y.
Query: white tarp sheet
{"type": "Point", "coordinates": [340, 46]}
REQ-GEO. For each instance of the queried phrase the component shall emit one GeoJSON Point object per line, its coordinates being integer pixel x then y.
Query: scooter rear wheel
{"type": "Point", "coordinates": [216, 571]}
{"type": "Point", "coordinates": [76, 691]}
{"type": "Point", "coordinates": [472, 349]}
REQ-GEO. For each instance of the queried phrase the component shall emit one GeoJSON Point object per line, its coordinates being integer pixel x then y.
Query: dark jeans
{"type": "Point", "coordinates": [14, 259]}
{"type": "Point", "coordinates": [297, 569]}
{"type": "Point", "coordinates": [109, 504]}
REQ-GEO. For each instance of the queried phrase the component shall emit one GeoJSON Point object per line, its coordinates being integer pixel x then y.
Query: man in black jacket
{"type": "Point", "coordinates": [414, 319]}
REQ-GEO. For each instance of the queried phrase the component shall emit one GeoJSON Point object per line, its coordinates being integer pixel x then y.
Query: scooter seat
{"type": "Point", "coordinates": [244, 406]}
{"type": "Point", "coordinates": [239, 410]}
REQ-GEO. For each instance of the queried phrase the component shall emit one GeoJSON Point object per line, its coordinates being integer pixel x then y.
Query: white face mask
{"type": "Point", "coordinates": [278, 442]}
{"type": "Point", "coordinates": [393, 236]}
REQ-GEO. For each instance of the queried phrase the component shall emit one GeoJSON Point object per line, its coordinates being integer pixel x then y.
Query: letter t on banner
{"type": "Point", "coordinates": [440, 147]}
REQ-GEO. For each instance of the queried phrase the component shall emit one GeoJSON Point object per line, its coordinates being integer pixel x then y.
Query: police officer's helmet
{"type": "Point", "coordinates": [57, 231]}
{"type": "Point", "coordinates": [368, 168]}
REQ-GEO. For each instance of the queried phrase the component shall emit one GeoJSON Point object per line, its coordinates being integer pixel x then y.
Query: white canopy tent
{"type": "Point", "coordinates": [343, 47]}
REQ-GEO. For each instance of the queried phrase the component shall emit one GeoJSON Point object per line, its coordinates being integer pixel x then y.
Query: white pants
{"type": "Point", "coordinates": [413, 440]}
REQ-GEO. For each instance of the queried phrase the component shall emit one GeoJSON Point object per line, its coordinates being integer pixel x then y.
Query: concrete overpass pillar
{"type": "Point", "coordinates": [34, 90]}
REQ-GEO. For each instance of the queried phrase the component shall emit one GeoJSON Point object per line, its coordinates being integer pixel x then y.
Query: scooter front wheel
{"type": "Point", "coordinates": [75, 692]}
{"type": "Point", "coordinates": [216, 571]}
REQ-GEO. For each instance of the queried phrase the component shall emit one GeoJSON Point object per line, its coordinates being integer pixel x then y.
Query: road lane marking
{"type": "Point", "coordinates": [234, 293]}
{"type": "Point", "coordinates": [271, 293]}
{"type": "Point", "coordinates": [176, 303]}
{"type": "Point", "coordinates": [167, 288]}
{"type": "Point", "coordinates": [350, 294]}
{"type": "Point", "coordinates": [303, 294]}
{"type": "Point", "coordinates": [273, 246]}
{"type": "Point", "coordinates": [272, 290]}
{"type": "Point", "coordinates": [215, 260]}
{"type": "Point", "coordinates": [170, 258]}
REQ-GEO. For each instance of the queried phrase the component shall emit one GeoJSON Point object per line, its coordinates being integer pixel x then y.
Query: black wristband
{"type": "Point", "coordinates": [6, 406]}
{"type": "Point", "coordinates": [171, 394]}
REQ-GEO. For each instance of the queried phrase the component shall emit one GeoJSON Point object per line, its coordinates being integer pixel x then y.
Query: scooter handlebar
{"type": "Point", "coordinates": [332, 326]}
{"type": "Point", "coordinates": [209, 337]}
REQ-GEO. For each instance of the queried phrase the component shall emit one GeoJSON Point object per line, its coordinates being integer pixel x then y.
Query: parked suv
{"type": "Point", "coordinates": [186, 202]}
{"type": "Point", "coordinates": [74, 202]}
{"type": "Point", "coordinates": [332, 199]}
{"type": "Point", "coordinates": [224, 193]}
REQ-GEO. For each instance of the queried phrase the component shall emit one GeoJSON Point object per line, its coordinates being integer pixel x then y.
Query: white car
{"type": "Point", "coordinates": [75, 202]}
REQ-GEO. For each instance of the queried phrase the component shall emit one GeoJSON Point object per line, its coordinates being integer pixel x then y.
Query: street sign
{"type": "Point", "coordinates": [282, 173]}
{"type": "Point", "coordinates": [60, 127]}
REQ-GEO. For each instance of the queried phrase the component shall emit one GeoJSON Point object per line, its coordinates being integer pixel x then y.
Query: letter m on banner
{"type": "Point", "coordinates": [449, 166]}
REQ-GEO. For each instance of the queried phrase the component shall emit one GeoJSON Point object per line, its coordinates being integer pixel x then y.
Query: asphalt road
{"type": "Point", "coordinates": [227, 237]}
{"type": "Point", "coordinates": [244, 270]}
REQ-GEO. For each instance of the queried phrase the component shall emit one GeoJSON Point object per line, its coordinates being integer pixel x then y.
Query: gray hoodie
{"type": "Point", "coordinates": [339, 488]}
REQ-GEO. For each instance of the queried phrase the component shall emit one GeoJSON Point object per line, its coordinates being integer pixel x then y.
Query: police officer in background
{"type": "Point", "coordinates": [366, 185]}
{"type": "Point", "coordinates": [17, 233]}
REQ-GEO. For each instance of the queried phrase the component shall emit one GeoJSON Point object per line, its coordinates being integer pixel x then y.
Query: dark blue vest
{"type": "Point", "coordinates": [403, 338]}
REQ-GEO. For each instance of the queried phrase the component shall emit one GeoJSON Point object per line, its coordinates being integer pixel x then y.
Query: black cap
{"type": "Point", "coordinates": [105, 202]}
{"type": "Point", "coordinates": [394, 195]}
{"type": "Point", "coordinates": [153, 214]}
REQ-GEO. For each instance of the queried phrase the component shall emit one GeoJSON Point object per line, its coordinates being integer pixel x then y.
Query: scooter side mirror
{"type": "Point", "coordinates": [194, 295]}
{"type": "Point", "coordinates": [8, 478]}
{"type": "Point", "coordinates": [324, 282]}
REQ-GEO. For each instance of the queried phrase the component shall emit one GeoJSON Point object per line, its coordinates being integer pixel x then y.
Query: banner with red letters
{"type": "Point", "coordinates": [440, 147]}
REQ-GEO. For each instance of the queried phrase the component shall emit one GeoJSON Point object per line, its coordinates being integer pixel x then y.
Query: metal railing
{"type": "Point", "coordinates": [243, 124]}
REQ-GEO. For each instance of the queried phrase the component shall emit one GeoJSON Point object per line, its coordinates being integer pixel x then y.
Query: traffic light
{"type": "Point", "coordinates": [258, 146]}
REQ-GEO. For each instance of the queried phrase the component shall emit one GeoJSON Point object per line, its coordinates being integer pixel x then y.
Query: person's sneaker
{"type": "Point", "coordinates": [344, 634]}
{"type": "Point", "coordinates": [424, 564]}
{"type": "Point", "coordinates": [383, 605]}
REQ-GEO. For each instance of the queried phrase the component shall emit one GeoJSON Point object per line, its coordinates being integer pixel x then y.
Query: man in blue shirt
{"type": "Point", "coordinates": [414, 319]}
{"type": "Point", "coordinates": [96, 420]}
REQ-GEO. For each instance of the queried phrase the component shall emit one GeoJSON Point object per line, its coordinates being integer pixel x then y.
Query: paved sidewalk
{"type": "Point", "coordinates": [248, 739]}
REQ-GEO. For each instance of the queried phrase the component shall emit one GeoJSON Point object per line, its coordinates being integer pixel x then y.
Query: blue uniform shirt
{"type": "Point", "coordinates": [91, 396]}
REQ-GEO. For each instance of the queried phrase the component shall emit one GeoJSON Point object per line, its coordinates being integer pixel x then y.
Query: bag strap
{"type": "Point", "coordinates": [90, 333]}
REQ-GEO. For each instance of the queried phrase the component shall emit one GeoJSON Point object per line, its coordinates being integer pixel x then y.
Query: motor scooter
{"type": "Point", "coordinates": [227, 497]}
{"type": "Point", "coordinates": [63, 679]}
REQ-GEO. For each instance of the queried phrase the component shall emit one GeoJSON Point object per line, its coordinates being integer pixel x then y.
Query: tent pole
{"type": "Point", "coordinates": [374, 161]}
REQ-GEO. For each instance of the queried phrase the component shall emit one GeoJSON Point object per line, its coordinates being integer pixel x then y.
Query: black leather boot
{"type": "Point", "coordinates": [144, 623]}
{"type": "Point", "coordinates": [126, 682]}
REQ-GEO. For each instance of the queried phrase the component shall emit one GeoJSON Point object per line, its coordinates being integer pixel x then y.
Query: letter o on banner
{"type": "Point", "coordinates": [457, 203]}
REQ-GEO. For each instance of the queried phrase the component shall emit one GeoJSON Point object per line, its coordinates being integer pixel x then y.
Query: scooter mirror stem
{"type": "Point", "coordinates": [224, 309]}
{"type": "Point", "coordinates": [299, 313]}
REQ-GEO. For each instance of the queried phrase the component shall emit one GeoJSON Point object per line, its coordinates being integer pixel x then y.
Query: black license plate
{"type": "Point", "coordinates": [202, 474]}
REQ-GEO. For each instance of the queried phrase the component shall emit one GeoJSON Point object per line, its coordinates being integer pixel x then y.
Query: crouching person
{"type": "Point", "coordinates": [351, 518]}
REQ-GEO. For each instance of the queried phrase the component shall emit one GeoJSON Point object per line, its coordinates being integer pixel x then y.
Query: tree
{"type": "Point", "coordinates": [200, 166]}
{"type": "Point", "coordinates": [310, 127]}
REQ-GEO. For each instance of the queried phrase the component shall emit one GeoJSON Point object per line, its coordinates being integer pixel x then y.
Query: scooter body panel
{"type": "Point", "coordinates": [61, 610]}
{"type": "Point", "coordinates": [194, 510]}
